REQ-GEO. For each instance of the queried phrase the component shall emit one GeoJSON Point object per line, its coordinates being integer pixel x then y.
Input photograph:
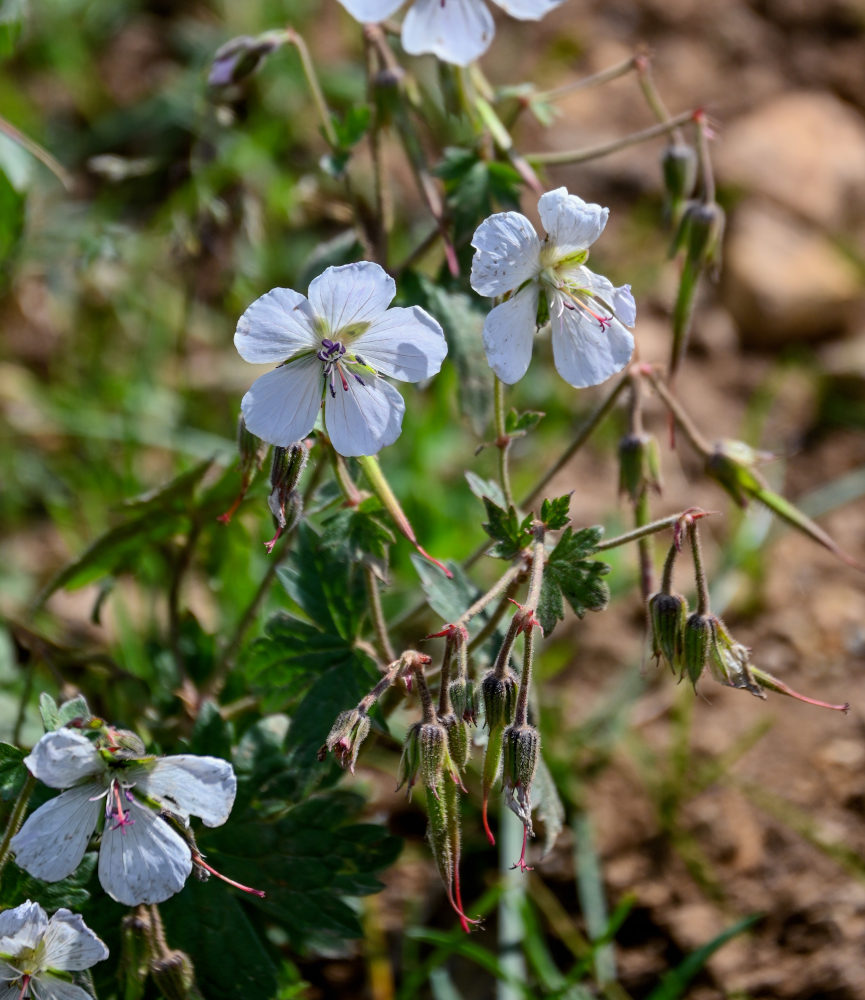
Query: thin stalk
{"type": "Point", "coordinates": [383, 200]}
{"type": "Point", "coordinates": [699, 571]}
{"type": "Point", "coordinates": [653, 97]}
{"type": "Point", "coordinates": [445, 705]}
{"type": "Point", "coordinates": [605, 149]}
{"type": "Point", "coordinates": [425, 696]}
{"type": "Point", "coordinates": [667, 577]}
{"type": "Point", "coordinates": [382, 639]}
{"type": "Point", "coordinates": [510, 921]}
{"type": "Point", "coordinates": [697, 440]}
{"type": "Point", "coordinates": [511, 575]}
{"type": "Point", "coordinates": [318, 100]}
{"type": "Point", "coordinates": [17, 818]}
{"type": "Point", "coordinates": [595, 80]}
{"type": "Point", "coordinates": [493, 622]}
{"type": "Point", "coordinates": [705, 159]}
{"type": "Point", "coordinates": [528, 625]}
{"type": "Point", "coordinates": [632, 536]}
{"type": "Point", "coordinates": [644, 545]}
{"type": "Point", "coordinates": [37, 151]}
{"type": "Point", "coordinates": [500, 667]}
{"type": "Point", "coordinates": [503, 441]}
{"type": "Point", "coordinates": [584, 433]}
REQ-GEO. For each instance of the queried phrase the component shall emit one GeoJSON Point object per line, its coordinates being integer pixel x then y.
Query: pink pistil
{"type": "Point", "coordinates": [25, 987]}
{"type": "Point", "coordinates": [122, 814]}
{"type": "Point", "coordinates": [486, 821]}
{"type": "Point", "coordinates": [269, 545]}
{"type": "Point", "coordinates": [521, 864]}
{"type": "Point", "coordinates": [197, 859]}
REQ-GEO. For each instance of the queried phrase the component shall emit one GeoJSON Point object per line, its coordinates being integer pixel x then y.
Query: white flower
{"type": "Point", "coordinates": [457, 31]}
{"type": "Point", "coordinates": [336, 344]}
{"type": "Point", "coordinates": [590, 342]}
{"type": "Point", "coordinates": [33, 949]}
{"type": "Point", "coordinates": [142, 858]}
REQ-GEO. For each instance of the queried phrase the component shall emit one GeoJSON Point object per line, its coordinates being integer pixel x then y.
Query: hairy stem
{"type": "Point", "coordinates": [699, 571]}
{"type": "Point", "coordinates": [17, 818]}
{"type": "Point", "coordinates": [503, 441]}
{"type": "Point", "coordinates": [382, 639]}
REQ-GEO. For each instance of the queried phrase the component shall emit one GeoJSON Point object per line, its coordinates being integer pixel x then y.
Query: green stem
{"type": "Point", "coordinates": [699, 571]}
{"type": "Point", "coordinates": [445, 705]}
{"type": "Point", "coordinates": [503, 441]}
{"type": "Point", "coordinates": [595, 80]}
{"type": "Point", "coordinates": [644, 544]}
{"type": "Point", "coordinates": [699, 443]}
{"type": "Point", "coordinates": [37, 151]}
{"type": "Point", "coordinates": [643, 66]}
{"type": "Point", "coordinates": [535, 581]}
{"type": "Point", "coordinates": [705, 160]}
{"type": "Point", "coordinates": [667, 577]}
{"type": "Point", "coordinates": [638, 533]}
{"type": "Point", "coordinates": [16, 819]}
{"type": "Point", "coordinates": [382, 639]}
{"type": "Point", "coordinates": [318, 100]}
{"type": "Point", "coordinates": [584, 433]}
{"type": "Point", "coordinates": [605, 149]}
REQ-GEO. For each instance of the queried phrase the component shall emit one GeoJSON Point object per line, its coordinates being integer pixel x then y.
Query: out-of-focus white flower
{"type": "Point", "coordinates": [587, 314]}
{"type": "Point", "coordinates": [457, 31]}
{"type": "Point", "coordinates": [36, 951]}
{"type": "Point", "coordinates": [336, 344]}
{"type": "Point", "coordinates": [142, 858]}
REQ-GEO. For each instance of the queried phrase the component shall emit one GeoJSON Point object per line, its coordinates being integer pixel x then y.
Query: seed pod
{"type": "Point", "coordinates": [174, 976]}
{"type": "Point", "coordinates": [458, 740]}
{"type": "Point", "coordinates": [347, 734]}
{"type": "Point", "coordinates": [521, 745]}
{"type": "Point", "coordinates": [729, 661]}
{"type": "Point", "coordinates": [667, 616]}
{"type": "Point", "coordinates": [409, 763]}
{"type": "Point", "coordinates": [679, 167]}
{"type": "Point", "coordinates": [639, 465]}
{"type": "Point", "coordinates": [433, 742]}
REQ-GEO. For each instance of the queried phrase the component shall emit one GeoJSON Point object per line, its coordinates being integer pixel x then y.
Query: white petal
{"type": "Point", "coordinates": [407, 344]}
{"type": "Point", "coordinates": [188, 785]}
{"type": "Point", "coordinates": [69, 944]}
{"type": "Point", "coordinates": [620, 300]}
{"type": "Point", "coordinates": [457, 31]}
{"type": "Point", "coordinates": [572, 223]}
{"type": "Point", "coordinates": [349, 294]}
{"type": "Point", "coordinates": [363, 419]}
{"type": "Point", "coordinates": [50, 988]}
{"type": "Point", "coordinates": [370, 11]}
{"type": "Point", "coordinates": [25, 923]}
{"type": "Point", "coordinates": [509, 331]}
{"type": "Point", "coordinates": [52, 842]}
{"type": "Point", "coordinates": [8, 974]}
{"type": "Point", "coordinates": [144, 861]}
{"type": "Point", "coordinates": [584, 353]}
{"type": "Point", "coordinates": [63, 758]}
{"type": "Point", "coordinates": [508, 251]}
{"type": "Point", "coordinates": [282, 405]}
{"type": "Point", "coordinates": [528, 10]}
{"type": "Point", "coordinates": [275, 327]}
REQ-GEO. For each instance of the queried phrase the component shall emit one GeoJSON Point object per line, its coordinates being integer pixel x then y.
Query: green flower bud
{"type": "Point", "coordinates": [679, 167]}
{"type": "Point", "coordinates": [639, 465]}
{"type": "Point", "coordinates": [729, 661]}
{"type": "Point", "coordinates": [520, 746]}
{"type": "Point", "coordinates": [458, 740]}
{"type": "Point", "coordinates": [500, 698]}
{"type": "Point", "coordinates": [433, 739]}
{"type": "Point", "coordinates": [695, 645]}
{"type": "Point", "coordinates": [174, 976]}
{"type": "Point", "coordinates": [409, 763]}
{"type": "Point", "coordinates": [347, 734]}
{"type": "Point", "coordinates": [240, 57]}
{"type": "Point", "coordinates": [464, 699]}
{"type": "Point", "coordinates": [667, 616]}
{"type": "Point", "coordinates": [703, 231]}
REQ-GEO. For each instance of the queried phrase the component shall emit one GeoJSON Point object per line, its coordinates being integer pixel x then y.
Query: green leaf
{"type": "Point", "coordinates": [353, 126]}
{"type": "Point", "coordinates": [12, 13]}
{"type": "Point", "coordinates": [547, 805]}
{"type": "Point", "coordinates": [49, 712]}
{"type": "Point", "coordinates": [510, 534]}
{"type": "Point", "coordinates": [341, 249]}
{"type": "Point", "coordinates": [212, 735]}
{"type": "Point", "coordinates": [69, 892]}
{"type": "Point", "coordinates": [13, 773]}
{"type": "Point", "coordinates": [555, 513]}
{"type": "Point", "coordinates": [675, 983]}
{"type": "Point", "coordinates": [75, 708]}
{"type": "Point", "coordinates": [364, 532]}
{"type": "Point", "coordinates": [475, 188]}
{"type": "Point", "coordinates": [569, 575]}
{"type": "Point", "coordinates": [485, 488]}
{"type": "Point", "coordinates": [447, 597]}
{"type": "Point", "coordinates": [12, 215]}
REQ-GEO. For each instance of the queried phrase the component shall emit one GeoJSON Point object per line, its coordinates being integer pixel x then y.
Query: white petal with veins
{"type": "Point", "coordinates": [63, 758]}
{"type": "Point", "coordinates": [281, 406]}
{"type": "Point", "coordinates": [508, 251]}
{"type": "Point", "coordinates": [363, 419]}
{"type": "Point", "coordinates": [275, 327]}
{"type": "Point", "coordinates": [572, 224]}
{"type": "Point", "coordinates": [351, 294]}
{"type": "Point", "coordinates": [53, 840]}
{"type": "Point", "coordinates": [457, 31]}
{"type": "Point", "coordinates": [509, 331]}
{"type": "Point", "coordinates": [585, 353]}
{"type": "Point", "coordinates": [189, 785]}
{"type": "Point", "coordinates": [69, 944]}
{"type": "Point", "coordinates": [407, 344]}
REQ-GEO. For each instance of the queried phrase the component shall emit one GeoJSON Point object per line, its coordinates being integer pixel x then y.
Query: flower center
{"type": "Point", "coordinates": [336, 362]}
{"type": "Point", "coordinates": [116, 811]}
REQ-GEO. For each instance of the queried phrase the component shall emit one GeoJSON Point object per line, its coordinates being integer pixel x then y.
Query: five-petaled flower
{"type": "Point", "coordinates": [457, 31]}
{"type": "Point", "coordinates": [142, 856]}
{"type": "Point", "coordinates": [587, 314]}
{"type": "Point", "coordinates": [336, 344]}
{"type": "Point", "coordinates": [36, 954]}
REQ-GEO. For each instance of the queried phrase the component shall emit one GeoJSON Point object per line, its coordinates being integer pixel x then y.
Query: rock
{"type": "Point", "coordinates": [805, 150]}
{"type": "Point", "coordinates": [784, 280]}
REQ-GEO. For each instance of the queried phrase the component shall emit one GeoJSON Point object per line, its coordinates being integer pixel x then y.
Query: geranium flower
{"type": "Point", "coordinates": [142, 857]}
{"type": "Point", "coordinates": [36, 951]}
{"type": "Point", "coordinates": [590, 342]}
{"type": "Point", "coordinates": [336, 345]}
{"type": "Point", "coordinates": [457, 31]}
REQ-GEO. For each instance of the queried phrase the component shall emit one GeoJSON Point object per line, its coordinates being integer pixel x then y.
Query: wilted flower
{"type": "Point", "coordinates": [457, 31]}
{"type": "Point", "coordinates": [590, 342]}
{"type": "Point", "coordinates": [335, 345]}
{"type": "Point", "coordinates": [35, 952]}
{"type": "Point", "coordinates": [142, 857]}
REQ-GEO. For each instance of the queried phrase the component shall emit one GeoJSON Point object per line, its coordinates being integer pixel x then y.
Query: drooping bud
{"type": "Point", "coordinates": [732, 464]}
{"type": "Point", "coordinates": [520, 748]}
{"type": "Point", "coordinates": [251, 452]}
{"type": "Point", "coordinates": [464, 699]}
{"type": "Point", "coordinates": [679, 167]}
{"type": "Point", "coordinates": [409, 763]}
{"type": "Point", "coordinates": [433, 741]}
{"type": "Point", "coordinates": [701, 232]}
{"type": "Point", "coordinates": [695, 645]}
{"type": "Point", "coordinates": [174, 975]}
{"type": "Point", "coordinates": [284, 500]}
{"type": "Point", "coordinates": [500, 698]}
{"type": "Point", "coordinates": [667, 616]}
{"type": "Point", "coordinates": [729, 661]}
{"type": "Point", "coordinates": [240, 57]}
{"type": "Point", "coordinates": [347, 734]}
{"type": "Point", "coordinates": [458, 740]}
{"type": "Point", "coordinates": [122, 744]}
{"type": "Point", "coordinates": [639, 465]}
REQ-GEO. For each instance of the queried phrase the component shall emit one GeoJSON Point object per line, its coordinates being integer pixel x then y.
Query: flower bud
{"type": "Point", "coordinates": [639, 465]}
{"type": "Point", "coordinates": [732, 464]}
{"type": "Point", "coordinates": [464, 699]}
{"type": "Point", "coordinates": [174, 976]}
{"type": "Point", "coordinates": [240, 57]}
{"type": "Point", "coordinates": [409, 763]}
{"type": "Point", "coordinates": [679, 167]}
{"type": "Point", "coordinates": [704, 229]}
{"type": "Point", "coordinates": [500, 698]}
{"type": "Point", "coordinates": [458, 740]}
{"type": "Point", "coordinates": [695, 645]}
{"type": "Point", "coordinates": [284, 500]}
{"type": "Point", "coordinates": [433, 740]}
{"type": "Point", "coordinates": [667, 616]}
{"type": "Point", "coordinates": [347, 734]}
{"type": "Point", "coordinates": [520, 746]}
